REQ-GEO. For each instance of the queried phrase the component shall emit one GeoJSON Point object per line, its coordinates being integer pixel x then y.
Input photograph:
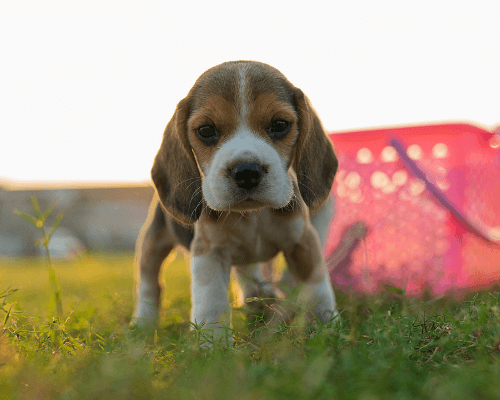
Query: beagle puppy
{"type": "Point", "coordinates": [244, 172]}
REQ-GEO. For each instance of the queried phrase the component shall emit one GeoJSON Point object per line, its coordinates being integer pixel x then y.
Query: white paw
{"type": "Point", "coordinates": [210, 334]}
{"type": "Point", "coordinates": [145, 314]}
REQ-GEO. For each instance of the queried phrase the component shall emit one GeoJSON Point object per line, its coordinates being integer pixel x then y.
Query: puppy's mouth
{"type": "Point", "coordinates": [245, 200]}
{"type": "Point", "coordinates": [247, 203]}
{"type": "Point", "coordinates": [253, 202]}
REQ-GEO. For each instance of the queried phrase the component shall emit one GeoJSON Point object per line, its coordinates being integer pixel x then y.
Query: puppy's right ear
{"type": "Point", "coordinates": [175, 173]}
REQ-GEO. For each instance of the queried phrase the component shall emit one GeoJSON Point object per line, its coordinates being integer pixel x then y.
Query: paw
{"type": "Point", "coordinates": [207, 335]}
{"type": "Point", "coordinates": [145, 315]}
{"type": "Point", "coordinates": [329, 316]}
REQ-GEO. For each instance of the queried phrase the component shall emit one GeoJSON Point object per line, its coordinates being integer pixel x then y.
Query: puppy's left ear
{"type": "Point", "coordinates": [314, 159]}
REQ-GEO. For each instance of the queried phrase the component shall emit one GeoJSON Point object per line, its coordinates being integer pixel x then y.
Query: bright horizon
{"type": "Point", "coordinates": [88, 90]}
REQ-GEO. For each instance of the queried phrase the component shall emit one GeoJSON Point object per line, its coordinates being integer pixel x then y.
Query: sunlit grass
{"type": "Point", "coordinates": [387, 346]}
{"type": "Point", "coordinates": [90, 279]}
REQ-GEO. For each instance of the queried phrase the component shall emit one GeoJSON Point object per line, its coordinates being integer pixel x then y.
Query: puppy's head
{"type": "Point", "coordinates": [232, 140]}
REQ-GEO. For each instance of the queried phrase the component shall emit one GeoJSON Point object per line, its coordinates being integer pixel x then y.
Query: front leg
{"type": "Point", "coordinates": [308, 269]}
{"type": "Point", "coordinates": [209, 292]}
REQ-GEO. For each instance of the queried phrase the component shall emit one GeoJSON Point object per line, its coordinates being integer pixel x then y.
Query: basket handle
{"type": "Point", "coordinates": [479, 229]}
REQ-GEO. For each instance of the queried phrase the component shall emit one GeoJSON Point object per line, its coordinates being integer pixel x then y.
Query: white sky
{"type": "Point", "coordinates": [86, 90]}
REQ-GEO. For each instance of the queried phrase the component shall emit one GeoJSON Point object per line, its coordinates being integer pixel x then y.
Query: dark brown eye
{"type": "Point", "coordinates": [208, 134]}
{"type": "Point", "coordinates": [206, 131]}
{"type": "Point", "coordinates": [278, 129]}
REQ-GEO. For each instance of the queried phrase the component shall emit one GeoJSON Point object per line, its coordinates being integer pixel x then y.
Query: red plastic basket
{"type": "Point", "coordinates": [417, 207]}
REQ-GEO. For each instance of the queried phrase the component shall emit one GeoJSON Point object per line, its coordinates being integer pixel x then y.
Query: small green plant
{"type": "Point", "coordinates": [39, 222]}
{"type": "Point", "coordinates": [5, 304]}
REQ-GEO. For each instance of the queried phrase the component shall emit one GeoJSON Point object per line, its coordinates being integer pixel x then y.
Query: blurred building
{"type": "Point", "coordinates": [104, 219]}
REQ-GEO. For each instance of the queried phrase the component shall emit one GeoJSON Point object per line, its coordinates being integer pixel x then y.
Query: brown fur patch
{"type": "Point", "coordinates": [266, 108]}
{"type": "Point", "coordinates": [207, 233]}
{"type": "Point", "coordinates": [218, 112]}
{"type": "Point", "coordinates": [201, 243]}
{"type": "Point", "coordinates": [305, 259]}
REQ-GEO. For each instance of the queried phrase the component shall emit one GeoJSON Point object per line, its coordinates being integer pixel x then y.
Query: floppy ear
{"type": "Point", "coordinates": [314, 159]}
{"type": "Point", "coordinates": [175, 173]}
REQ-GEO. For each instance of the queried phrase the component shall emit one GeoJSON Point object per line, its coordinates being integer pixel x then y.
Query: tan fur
{"type": "Point", "coordinates": [266, 108]}
{"type": "Point", "coordinates": [302, 260]}
{"type": "Point", "coordinates": [216, 111]}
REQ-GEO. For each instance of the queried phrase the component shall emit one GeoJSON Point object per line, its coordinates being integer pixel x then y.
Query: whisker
{"type": "Point", "coordinates": [193, 196]}
{"type": "Point", "coordinates": [308, 177]}
{"type": "Point", "coordinates": [187, 180]}
{"type": "Point", "coordinates": [194, 210]}
{"type": "Point", "coordinates": [296, 200]}
{"type": "Point", "coordinates": [198, 190]}
{"type": "Point", "coordinates": [227, 214]}
{"type": "Point", "coordinates": [312, 191]}
{"type": "Point", "coordinates": [205, 207]}
{"type": "Point", "coordinates": [238, 220]}
{"type": "Point", "coordinates": [192, 183]}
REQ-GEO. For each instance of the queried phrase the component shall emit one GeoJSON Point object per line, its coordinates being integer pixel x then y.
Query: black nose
{"type": "Point", "coordinates": [247, 175]}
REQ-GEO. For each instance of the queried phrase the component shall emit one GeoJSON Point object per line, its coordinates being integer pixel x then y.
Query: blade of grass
{"type": "Point", "coordinates": [55, 225]}
{"type": "Point", "coordinates": [48, 211]}
{"type": "Point", "coordinates": [7, 316]}
{"type": "Point", "coordinates": [27, 217]}
{"type": "Point", "coordinates": [36, 207]}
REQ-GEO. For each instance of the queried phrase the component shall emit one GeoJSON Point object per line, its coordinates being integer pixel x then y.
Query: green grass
{"type": "Point", "coordinates": [386, 347]}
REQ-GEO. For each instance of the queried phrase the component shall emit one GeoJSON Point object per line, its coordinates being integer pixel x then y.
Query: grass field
{"type": "Point", "coordinates": [386, 347]}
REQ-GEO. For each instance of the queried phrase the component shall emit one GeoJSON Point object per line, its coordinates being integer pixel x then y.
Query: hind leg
{"type": "Point", "coordinates": [260, 290]}
{"type": "Point", "coordinates": [154, 244]}
{"type": "Point", "coordinates": [252, 281]}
